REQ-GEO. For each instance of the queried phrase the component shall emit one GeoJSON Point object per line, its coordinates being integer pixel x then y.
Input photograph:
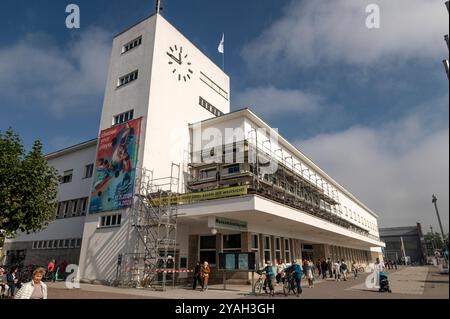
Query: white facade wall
{"type": "Point", "coordinates": [166, 106]}
{"type": "Point", "coordinates": [65, 160]}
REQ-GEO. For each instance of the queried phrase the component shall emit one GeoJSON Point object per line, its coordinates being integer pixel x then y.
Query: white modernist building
{"type": "Point", "coordinates": [269, 199]}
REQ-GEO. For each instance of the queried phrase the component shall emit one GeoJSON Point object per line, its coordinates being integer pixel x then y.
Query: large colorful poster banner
{"type": "Point", "coordinates": [115, 172]}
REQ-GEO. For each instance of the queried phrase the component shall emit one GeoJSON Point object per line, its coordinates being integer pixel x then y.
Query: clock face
{"type": "Point", "coordinates": [180, 63]}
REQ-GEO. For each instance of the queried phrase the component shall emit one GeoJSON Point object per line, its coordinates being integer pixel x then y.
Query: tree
{"type": "Point", "coordinates": [28, 187]}
{"type": "Point", "coordinates": [436, 240]}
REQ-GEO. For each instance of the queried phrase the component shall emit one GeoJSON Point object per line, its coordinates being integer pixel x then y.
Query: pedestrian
{"type": "Point", "coordinates": [269, 271]}
{"type": "Point", "coordinates": [51, 268]}
{"type": "Point", "coordinates": [305, 266]}
{"type": "Point", "coordinates": [379, 266]}
{"type": "Point", "coordinates": [197, 275]}
{"type": "Point", "coordinates": [319, 267]}
{"type": "Point", "coordinates": [344, 269]}
{"type": "Point", "coordinates": [13, 281]}
{"type": "Point", "coordinates": [324, 267]}
{"type": "Point", "coordinates": [280, 270]}
{"type": "Point", "coordinates": [330, 267]}
{"type": "Point", "coordinates": [310, 274]}
{"type": "Point", "coordinates": [35, 289]}
{"type": "Point", "coordinates": [337, 271]}
{"type": "Point", "coordinates": [394, 263]}
{"type": "Point", "coordinates": [296, 271]}
{"type": "Point", "coordinates": [206, 271]}
{"type": "Point", "coordinates": [4, 288]}
{"type": "Point", "coordinates": [355, 270]}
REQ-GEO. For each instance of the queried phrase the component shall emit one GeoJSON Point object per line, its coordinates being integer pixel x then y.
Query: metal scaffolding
{"type": "Point", "coordinates": [292, 183]}
{"type": "Point", "coordinates": [151, 255]}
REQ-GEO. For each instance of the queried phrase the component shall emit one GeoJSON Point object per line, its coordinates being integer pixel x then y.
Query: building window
{"type": "Point", "coordinates": [61, 243]}
{"type": "Point", "coordinates": [209, 107]}
{"type": "Point", "coordinates": [66, 243]}
{"type": "Point", "coordinates": [207, 173]}
{"type": "Point", "coordinates": [132, 44]}
{"type": "Point", "coordinates": [78, 244]}
{"type": "Point", "coordinates": [267, 249]}
{"type": "Point", "coordinates": [183, 262]}
{"type": "Point", "coordinates": [88, 170]}
{"type": "Point", "coordinates": [66, 209]}
{"type": "Point", "coordinates": [110, 221]}
{"type": "Point", "coordinates": [287, 250]}
{"type": "Point", "coordinates": [277, 249]}
{"type": "Point", "coordinates": [123, 117]}
{"type": "Point", "coordinates": [35, 245]}
{"type": "Point", "coordinates": [255, 242]}
{"type": "Point", "coordinates": [83, 206]}
{"type": "Point", "coordinates": [74, 207]}
{"type": "Point", "coordinates": [346, 212]}
{"type": "Point", "coordinates": [231, 243]}
{"type": "Point", "coordinates": [130, 77]}
{"type": "Point", "coordinates": [39, 245]}
{"type": "Point", "coordinates": [235, 169]}
{"type": "Point", "coordinates": [208, 249]}
{"type": "Point", "coordinates": [67, 177]}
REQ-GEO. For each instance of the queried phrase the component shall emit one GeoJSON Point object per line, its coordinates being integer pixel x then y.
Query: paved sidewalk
{"type": "Point", "coordinates": [406, 283]}
{"type": "Point", "coordinates": [410, 280]}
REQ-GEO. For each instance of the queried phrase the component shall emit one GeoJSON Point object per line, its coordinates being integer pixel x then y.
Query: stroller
{"type": "Point", "coordinates": [384, 283]}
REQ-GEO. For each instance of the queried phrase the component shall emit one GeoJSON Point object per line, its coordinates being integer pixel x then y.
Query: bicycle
{"type": "Point", "coordinates": [260, 285]}
{"type": "Point", "coordinates": [289, 285]}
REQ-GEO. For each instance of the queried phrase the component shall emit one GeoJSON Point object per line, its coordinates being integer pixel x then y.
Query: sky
{"type": "Point", "coordinates": [369, 106]}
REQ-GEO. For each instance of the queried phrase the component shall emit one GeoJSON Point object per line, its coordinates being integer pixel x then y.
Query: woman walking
{"type": "Point", "coordinates": [205, 274]}
{"type": "Point", "coordinates": [35, 289]}
{"type": "Point", "coordinates": [310, 274]}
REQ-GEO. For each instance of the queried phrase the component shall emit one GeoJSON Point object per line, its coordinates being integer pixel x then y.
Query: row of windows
{"type": "Point", "coordinates": [112, 220]}
{"type": "Point", "coordinates": [232, 243]}
{"type": "Point", "coordinates": [208, 106]}
{"type": "Point", "coordinates": [71, 208]}
{"type": "Point", "coordinates": [213, 85]}
{"type": "Point", "coordinates": [359, 219]}
{"type": "Point", "coordinates": [130, 77]}
{"type": "Point", "coordinates": [124, 117]}
{"type": "Point", "coordinates": [68, 175]}
{"type": "Point", "coordinates": [132, 44]}
{"type": "Point", "coordinates": [57, 243]}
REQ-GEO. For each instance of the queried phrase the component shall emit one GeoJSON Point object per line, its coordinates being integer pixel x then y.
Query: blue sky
{"type": "Point", "coordinates": [369, 106]}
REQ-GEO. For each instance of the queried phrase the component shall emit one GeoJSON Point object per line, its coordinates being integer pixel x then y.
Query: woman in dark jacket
{"type": "Point", "coordinates": [13, 280]}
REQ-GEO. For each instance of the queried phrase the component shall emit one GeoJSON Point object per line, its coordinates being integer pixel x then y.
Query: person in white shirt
{"type": "Point", "coordinates": [379, 266]}
{"type": "Point", "coordinates": [337, 271]}
{"type": "Point", "coordinates": [280, 270]}
{"type": "Point", "coordinates": [35, 289]}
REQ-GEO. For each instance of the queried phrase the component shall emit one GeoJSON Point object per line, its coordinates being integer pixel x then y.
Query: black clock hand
{"type": "Point", "coordinates": [180, 58]}
{"type": "Point", "coordinates": [174, 58]}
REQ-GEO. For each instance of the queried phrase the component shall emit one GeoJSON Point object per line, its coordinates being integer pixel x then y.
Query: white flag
{"type": "Point", "coordinates": [222, 45]}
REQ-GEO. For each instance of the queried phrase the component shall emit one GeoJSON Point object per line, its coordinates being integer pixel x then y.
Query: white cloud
{"type": "Point", "coordinates": [35, 72]}
{"type": "Point", "coordinates": [394, 168]}
{"type": "Point", "coordinates": [269, 100]}
{"type": "Point", "coordinates": [313, 32]}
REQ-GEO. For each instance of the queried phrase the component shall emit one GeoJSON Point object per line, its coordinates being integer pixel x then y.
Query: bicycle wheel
{"type": "Point", "coordinates": [286, 288]}
{"type": "Point", "coordinates": [258, 287]}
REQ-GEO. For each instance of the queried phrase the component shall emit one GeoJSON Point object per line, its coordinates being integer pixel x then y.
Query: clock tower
{"type": "Point", "coordinates": [160, 77]}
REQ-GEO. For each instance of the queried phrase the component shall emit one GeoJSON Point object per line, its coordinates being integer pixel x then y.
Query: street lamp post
{"type": "Point", "coordinates": [434, 201]}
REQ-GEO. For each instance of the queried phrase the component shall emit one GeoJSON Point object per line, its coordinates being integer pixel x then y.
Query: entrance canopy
{"type": "Point", "coordinates": [266, 216]}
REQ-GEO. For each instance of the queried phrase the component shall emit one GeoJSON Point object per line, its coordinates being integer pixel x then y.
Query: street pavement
{"type": "Point", "coordinates": [406, 283]}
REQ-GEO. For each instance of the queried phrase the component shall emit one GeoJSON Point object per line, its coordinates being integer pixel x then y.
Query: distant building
{"type": "Point", "coordinates": [404, 241]}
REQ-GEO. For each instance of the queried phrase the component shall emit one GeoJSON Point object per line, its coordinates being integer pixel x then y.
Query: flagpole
{"type": "Point", "coordinates": [223, 61]}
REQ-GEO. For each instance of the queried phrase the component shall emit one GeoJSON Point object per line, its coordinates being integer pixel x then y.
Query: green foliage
{"type": "Point", "coordinates": [28, 186]}
{"type": "Point", "coordinates": [436, 239]}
